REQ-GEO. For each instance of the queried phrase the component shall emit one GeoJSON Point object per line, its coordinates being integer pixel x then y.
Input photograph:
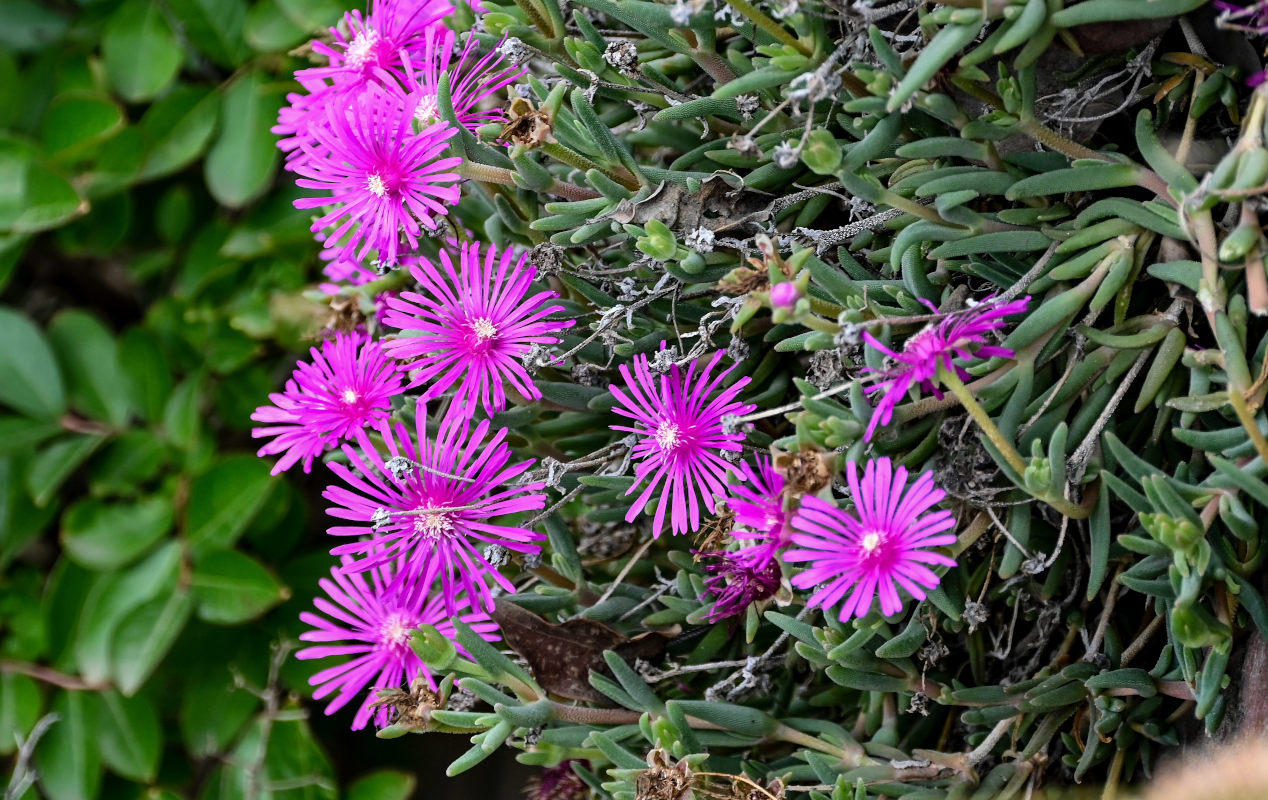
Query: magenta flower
{"type": "Point", "coordinates": [348, 386]}
{"type": "Point", "coordinates": [471, 326]}
{"type": "Point", "coordinates": [471, 79]}
{"type": "Point", "coordinates": [382, 177]}
{"type": "Point", "coordinates": [954, 336]}
{"type": "Point", "coordinates": [741, 577]}
{"type": "Point", "coordinates": [431, 504]}
{"type": "Point", "coordinates": [374, 42]}
{"type": "Point", "coordinates": [758, 505]}
{"type": "Point", "coordinates": [678, 420]}
{"type": "Point", "coordinates": [878, 549]}
{"type": "Point", "coordinates": [372, 622]}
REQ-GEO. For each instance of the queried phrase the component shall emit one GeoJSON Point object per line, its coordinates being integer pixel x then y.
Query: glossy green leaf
{"type": "Point", "coordinates": [76, 121]}
{"type": "Point", "coordinates": [129, 735]}
{"type": "Point", "coordinates": [231, 588]}
{"type": "Point", "coordinates": [214, 27]}
{"type": "Point", "coordinates": [30, 380]}
{"type": "Point", "coordinates": [19, 709]}
{"type": "Point", "coordinates": [223, 501]}
{"type": "Point", "coordinates": [145, 636]}
{"type": "Point", "coordinates": [29, 25]}
{"type": "Point", "coordinates": [268, 28]}
{"type": "Point", "coordinates": [241, 163]}
{"type": "Point", "coordinates": [141, 53]}
{"type": "Point", "coordinates": [68, 759]}
{"type": "Point", "coordinates": [55, 463]}
{"type": "Point", "coordinates": [177, 129]}
{"type": "Point", "coordinates": [108, 536]}
{"type": "Point", "coordinates": [90, 361]}
{"type": "Point", "coordinates": [383, 785]}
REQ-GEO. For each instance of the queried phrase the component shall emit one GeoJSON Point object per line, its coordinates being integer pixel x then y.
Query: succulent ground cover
{"type": "Point", "coordinates": [719, 400]}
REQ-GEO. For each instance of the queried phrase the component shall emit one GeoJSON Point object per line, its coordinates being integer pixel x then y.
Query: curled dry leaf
{"type": "Point", "coordinates": [562, 656]}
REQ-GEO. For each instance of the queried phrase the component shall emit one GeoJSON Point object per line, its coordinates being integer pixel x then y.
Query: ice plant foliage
{"type": "Point", "coordinates": [367, 615]}
{"type": "Point", "coordinates": [383, 178]}
{"type": "Point", "coordinates": [471, 325]}
{"type": "Point", "coordinates": [680, 438]}
{"type": "Point", "coordinates": [347, 386]}
{"type": "Point", "coordinates": [436, 512]}
{"type": "Point", "coordinates": [961, 334]}
{"type": "Point", "coordinates": [880, 548]}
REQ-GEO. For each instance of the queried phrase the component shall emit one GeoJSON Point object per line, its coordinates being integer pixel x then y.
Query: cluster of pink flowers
{"type": "Point", "coordinates": [367, 134]}
{"type": "Point", "coordinates": [431, 502]}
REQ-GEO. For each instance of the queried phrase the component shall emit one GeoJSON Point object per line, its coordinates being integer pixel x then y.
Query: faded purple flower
{"type": "Point", "coordinates": [471, 79]}
{"type": "Point", "coordinates": [878, 549]}
{"type": "Point", "coordinates": [383, 178]}
{"type": "Point", "coordinates": [741, 577]}
{"type": "Point", "coordinates": [371, 621]}
{"type": "Point", "coordinates": [961, 334]}
{"type": "Point", "coordinates": [435, 507]}
{"type": "Point", "coordinates": [678, 420]}
{"type": "Point", "coordinates": [471, 326]}
{"type": "Point", "coordinates": [348, 386]}
{"type": "Point", "coordinates": [758, 505]}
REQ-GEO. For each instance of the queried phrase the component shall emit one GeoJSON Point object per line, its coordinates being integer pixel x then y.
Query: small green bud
{"type": "Point", "coordinates": [821, 152]}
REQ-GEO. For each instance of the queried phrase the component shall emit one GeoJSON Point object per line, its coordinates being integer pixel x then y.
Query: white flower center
{"type": "Point", "coordinates": [870, 542]}
{"type": "Point", "coordinates": [667, 436]}
{"type": "Point", "coordinates": [395, 630]}
{"type": "Point", "coordinates": [427, 113]}
{"type": "Point", "coordinates": [484, 329]}
{"type": "Point", "coordinates": [361, 48]}
{"type": "Point", "coordinates": [431, 525]}
{"type": "Point", "coordinates": [350, 396]}
{"type": "Point", "coordinates": [376, 185]}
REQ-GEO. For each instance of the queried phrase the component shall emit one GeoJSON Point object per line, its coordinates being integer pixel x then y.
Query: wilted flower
{"type": "Point", "coordinates": [472, 325]}
{"type": "Point", "coordinates": [740, 578]}
{"type": "Point", "coordinates": [372, 621]}
{"type": "Point", "coordinates": [440, 507]}
{"type": "Point", "coordinates": [877, 550]}
{"type": "Point", "coordinates": [348, 386]}
{"type": "Point", "coordinates": [958, 335]}
{"type": "Point", "coordinates": [679, 421]}
{"type": "Point", "coordinates": [382, 177]}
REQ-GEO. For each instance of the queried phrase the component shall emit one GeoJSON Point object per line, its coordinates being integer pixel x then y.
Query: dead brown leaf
{"type": "Point", "coordinates": [562, 656]}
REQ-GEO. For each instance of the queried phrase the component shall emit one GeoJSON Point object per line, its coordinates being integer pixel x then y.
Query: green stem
{"type": "Point", "coordinates": [786, 733]}
{"type": "Point", "coordinates": [574, 159]}
{"type": "Point", "coordinates": [1247, 419]}
{"type": "Point", "coordinates": [769, 25]}
{"type": "Point", "coordinates": [487, 174]}
{"type": "Point", "coordinates": [957, 388]}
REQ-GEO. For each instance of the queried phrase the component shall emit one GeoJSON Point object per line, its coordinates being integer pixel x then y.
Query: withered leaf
{"type": "Point", "coordinates": [716, 206]}
{"type": "Point", "coordinates": [562, 656]}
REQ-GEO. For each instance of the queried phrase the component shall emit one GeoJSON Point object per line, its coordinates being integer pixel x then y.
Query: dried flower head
{"type": "Point", "coordinates": [961, 334]}
{"type": "Point", "coordinates": [878, 549]}
{"type": "Point", "coordinates": [441, 507]}
{"type": "Point", "coordinates": [471, 326]}
{"type": "Point", "coordinates": [740, 578]}
{"type": "Point", "coordinates": [678, 419]}
{"type": "Point", "coordinates": [347, 386]}
{"type": "Point", "coordinates": [371, 620]}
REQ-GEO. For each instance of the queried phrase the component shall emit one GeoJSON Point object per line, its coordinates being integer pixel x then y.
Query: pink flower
{"type": "Point", "coordinates": [878, 549]}
{"type": "Point", "coordinates": [954, 336]}
{"type": "Point", "coordinates": [784, 295]}
{"type": "Point", "coordinates": [471, 326]}
{"type": "Point", "coordinates": [681, 438]}
{"type": "Point", "coordinates": [348, 385]}
{"type": "Point", "coordinates": [383, 178]}
{"type": "Point", "coordinates": [371, 622]}
{"type": "Point", "coordinates": [471, 79]}
{"type": "Point", "coordinates": [431, 504]}
{"type": "Point", "coordinates": [377, 41]}
{"type": "Point", "coordinates": [741, 577]}
{"type": "Point", "coordinates": [758, 505]}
